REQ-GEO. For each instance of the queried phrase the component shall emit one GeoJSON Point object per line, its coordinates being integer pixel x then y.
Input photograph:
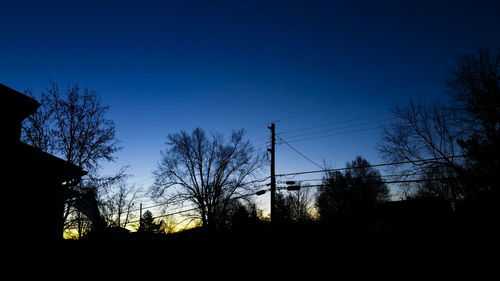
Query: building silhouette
{"type": "Point", "coordinates": [35, 184]}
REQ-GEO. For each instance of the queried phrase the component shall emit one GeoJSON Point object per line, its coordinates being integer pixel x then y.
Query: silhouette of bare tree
{"type": "Point", "coordinates": [207, 172]}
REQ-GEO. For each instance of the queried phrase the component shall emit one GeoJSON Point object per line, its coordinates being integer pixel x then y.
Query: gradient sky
{"type": "Point", "coordinates": [166, 66]}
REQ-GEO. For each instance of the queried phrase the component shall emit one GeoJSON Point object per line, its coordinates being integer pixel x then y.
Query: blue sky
{"type": "Point", "coordinates": [166, 66]}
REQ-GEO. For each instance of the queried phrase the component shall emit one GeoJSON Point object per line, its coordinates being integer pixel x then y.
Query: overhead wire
{"type": "Point", "coordinates": [196, 208]}
{"type": "Point", "coordinates": [321, 108]}
{"type": "Point", "coordinates": [379, 121]}
{"type": "Point", "coordinates": [373, 165]}
{"type": "Point", "coordinates": [321, 179]}
{"type": "Point", "coordinates": [179, 201]}
{"type": "Point", "coordinates": [335, 123]}
{"type": "Point", "coordinates": [301, 154]}
{"type": "Point", "coordinates": [167, 215]}
{"type": "Point", "coordinates": [374, 182]}
{"type": "Point", "coordinates": [143, 177]}
{"type": "Point", "coordinates": [336, 134]}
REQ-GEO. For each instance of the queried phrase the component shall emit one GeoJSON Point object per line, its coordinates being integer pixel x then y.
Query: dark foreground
{"type": "Point", "coordinates": [400, 236]}
{"type": "Point", "coordinates": [294, 246]}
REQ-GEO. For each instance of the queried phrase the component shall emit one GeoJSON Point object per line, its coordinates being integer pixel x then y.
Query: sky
{"type": "Point", "coordinates": [167, 66]}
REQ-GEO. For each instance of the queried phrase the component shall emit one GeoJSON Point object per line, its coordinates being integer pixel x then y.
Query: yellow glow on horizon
{"type": "Point", "coordinates": [72, 233]}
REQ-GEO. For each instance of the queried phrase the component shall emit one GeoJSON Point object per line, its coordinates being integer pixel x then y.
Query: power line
{"type": "Point", "coordinates": [159, 205]}
{"type": "Point", "coordinates": [136, 178]}
{"type": "Point", "coordinates": [169, 214]}
{"type": "Point", "coordinates": [374, 165]}
{"type": "Point", "coordinates": [259, 192]}
{"type": "Point", "coordinates": [337, 122]}
{"type": "Point", "coordinates": [305, 157]}
{"type": "Point", "coordinates": [369, 176]}
{"type": "Point", "coordinates": [337, 134]}
{"type": "Point", "coordinates": [338, 128]}
{"type": "Point", "coordinates": [321, 108]}
{"type": "Point", "coordinates": [239, 196]}
{"type": "Point", "coordinates": [374, 182]}
{"type": "Point", "coordinates": [182, 200]}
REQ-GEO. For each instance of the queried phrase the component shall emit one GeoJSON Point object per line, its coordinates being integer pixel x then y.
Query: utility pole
{"type": "Point", "coordinates": [140, 216]}
{"type": "Point", "coordinates": [273, 175]}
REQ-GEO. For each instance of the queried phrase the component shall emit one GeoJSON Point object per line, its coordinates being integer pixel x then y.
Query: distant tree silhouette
{"type": "Point", "coordinates": [148, 224]}
{"type": "Point", "coordinates": [427, 138]}
{"type": "Point", "coordinates": [469, 126]}
{"type": "Point", "coordinates": [352, 194]}
{"type": "Point", "coordinates": [244, 217]}
{"type": "Point", "coordinates": [168, 225]}
{"type": "Point", "coordinates": [474, 86]}
{"type": "Point", "coordinates": [449, 186]}
{"type": "Point", "coordinates": [72, 125]}
{"type": "Point", "coordinates": [333, 198]}
{"type": "Point", "coordinates": [117, 203]}
{"type": "Point", "coordinates": [283, 209]}
{"type": "Point", "coordinates": [294, 206]}
{"type": "Point", "coordinates": [206, 171]}
{"type": "Point", "coordinates": [301, 204]}
{"type": "Point", "coordinates": [367, 184]}
{"type": "Point", "coordinates": [240, 217]}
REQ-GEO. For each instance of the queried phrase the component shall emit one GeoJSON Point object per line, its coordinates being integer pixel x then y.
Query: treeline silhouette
{"type": "Point", "coordinates": [410, 227]}
{"type": "Point", "coordinates": [353, 215]}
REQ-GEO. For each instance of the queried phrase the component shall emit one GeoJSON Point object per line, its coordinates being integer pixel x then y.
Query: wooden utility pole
{"type": "Point", "coordinates": [273, 175]}
{"type": "Point", "coordinates": [140, 216]}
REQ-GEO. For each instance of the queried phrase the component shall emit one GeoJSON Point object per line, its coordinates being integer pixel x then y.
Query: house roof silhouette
{"type": "Point", "coordinates": [37, 179]}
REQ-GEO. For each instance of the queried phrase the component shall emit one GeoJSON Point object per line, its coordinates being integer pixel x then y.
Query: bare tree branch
{"type": "Point", "coordinates": [205, 171]}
